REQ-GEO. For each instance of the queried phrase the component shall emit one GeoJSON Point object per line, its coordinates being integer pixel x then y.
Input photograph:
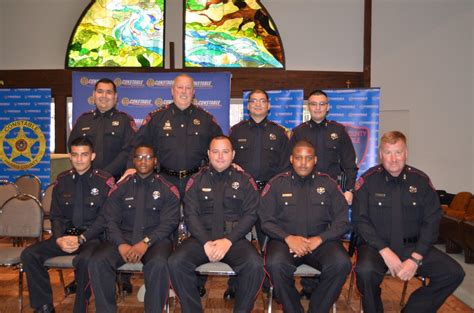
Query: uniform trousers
{"type": "Point", "coordinates": [39, 285]}
{"type": "Point", "coordinates": [103, 271]}
{"type": "Point", "coordinates": [444, 274]}
{"type": "Point", "coordinates": [330, 258]}
{"type": "Point", "coordinates": [242, 257]}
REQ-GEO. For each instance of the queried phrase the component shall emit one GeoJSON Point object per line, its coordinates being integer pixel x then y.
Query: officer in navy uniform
{"type": "Point", "coordinates": [77, 227]}
{"type": "Point", "coordinates": [305, 214]}
{"type": "Point", "coordinates": [262, 149]}
{"type": "Point", "coordinates": [396, 213]}
{"type": "Point", "coordinates": [179, 134]}
{"type": "Point", "coordinates": [220, 209]}
{"type": "Point", "coordinates": [141, 215]}
{"type": "Point", "coordinates": [110, 130]}
{"type": "Point", "coordinates": [334, 149]}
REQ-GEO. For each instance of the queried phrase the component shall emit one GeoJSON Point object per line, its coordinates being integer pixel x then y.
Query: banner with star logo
{"type": "Point", "coordinates": [24, 133]}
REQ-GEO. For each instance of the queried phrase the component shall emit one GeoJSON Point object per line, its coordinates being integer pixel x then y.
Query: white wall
{"type": "Point", "coordinates": [422, 58]}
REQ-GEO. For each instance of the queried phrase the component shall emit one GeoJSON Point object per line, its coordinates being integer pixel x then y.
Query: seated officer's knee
{"type": "Point", "coordinates": [343, 265]}
{"type": "Point", "coordinates": [364, 271]}
{"type": "Point", "coordinates": [27, 255]}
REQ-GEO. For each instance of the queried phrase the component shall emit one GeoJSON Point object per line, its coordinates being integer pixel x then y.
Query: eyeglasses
{"type": "Point", "coordinates": [262, 101]}
{"type": "Point", "coordinates": [145, 157]}
{"type": "Point", "coordinates": [322, 103]}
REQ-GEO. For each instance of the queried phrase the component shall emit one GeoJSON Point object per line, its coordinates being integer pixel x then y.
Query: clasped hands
{"type": "Point", "coordinates": [404, 270]}
{"type": "Point", "coordinates": [217, 249]}
{"type": "Point", "coordinates": [68, 244]}
{"type": "Point", "coordinates": [133, 254]}
{"type": "Point", "coordinates": [300, 246]}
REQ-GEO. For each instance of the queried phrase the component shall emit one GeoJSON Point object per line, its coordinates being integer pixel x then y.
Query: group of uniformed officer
{"type": "Point", "coordinates": [302, 208]}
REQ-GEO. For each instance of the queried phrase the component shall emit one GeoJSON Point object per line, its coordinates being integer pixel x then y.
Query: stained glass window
{"type": "Point", "coordinates": [230, 33]}
{"type": "Point", "coordinates": [117, 33]}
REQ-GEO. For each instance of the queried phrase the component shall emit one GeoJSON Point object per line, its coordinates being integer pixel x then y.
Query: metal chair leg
{"type": "Point", "coordinates": [20, 289]}
{"type": "Point", "coordinates": [270, 299]}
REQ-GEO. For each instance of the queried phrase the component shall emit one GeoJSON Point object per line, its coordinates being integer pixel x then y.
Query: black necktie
{"type": "Point", "coordinates": [137, 234]}
{"type": "Point", "coordinates": [396, 238]}
{"type": "Point", "coordinates": [218, 209]}
{"type": "Point", "coordinates": [99, 143]}
{"type": "Point", "coordinates": [78, 213]}
{"type": "Point", "coordinates": [321, 150]}
{"type": "Point", "coordinates": [302, 199]}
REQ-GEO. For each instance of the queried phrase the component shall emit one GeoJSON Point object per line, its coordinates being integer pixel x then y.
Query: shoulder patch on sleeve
{"type": "Point", "coordinates": [175, 191]}
{"type": "Point", "coordinates": [189, 183]}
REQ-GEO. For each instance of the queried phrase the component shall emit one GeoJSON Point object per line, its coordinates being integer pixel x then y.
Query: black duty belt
{"type": "Point", "coordinates": [410, 240]}
{"type": "Point", "coordinates": [180, 174]}
{"type": "Point", "coordinates": [260, 184]}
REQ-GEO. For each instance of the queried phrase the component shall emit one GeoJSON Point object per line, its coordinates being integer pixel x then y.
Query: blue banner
{"type": "Point", "coordinates": [358, 110]}
{"type": "Point", "coordinates": [286, 107]}
{"type": "Point", "coordinates": [24, 133]}
{"type": "Point", "coordinates": [141, 93]}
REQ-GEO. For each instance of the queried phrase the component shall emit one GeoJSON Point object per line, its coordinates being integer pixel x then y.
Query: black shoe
{"type": "Point", "coordinates": [229, 294]}
{"type": "Point", "coordinates": [306, 293]}
{"type": "Point", "coordinates": [202, 291]}
{"type": "Point", "coordinates": [71, 288]}
{"type": "Point", "coordinates": [47, 308]}
{"type": "Point", "coordinates": [127, 287]}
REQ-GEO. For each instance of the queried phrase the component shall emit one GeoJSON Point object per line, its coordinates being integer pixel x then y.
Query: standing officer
{"type": "Point", "coordinates": [109, 129]}
{"type": "Point", "coordinates": [179, 134]}
{"type": "Point", "coordinates": [220, 209]}
{"type": "Point", "coordinates": [262, 149]}
{"type": "Point", "coordinates": [77, 226]}
{"type": "Point", "coordinates": [334, 149]}
{"type": "Point", "coordinates": [396, 212]}
{"type": "Point", "coordinates": [305, 214]}
{"type": "Point", "coordinates": [141, 215]}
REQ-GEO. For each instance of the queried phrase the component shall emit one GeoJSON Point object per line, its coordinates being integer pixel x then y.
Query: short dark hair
{"type": "Point", "coordinates": [303, 143]}
{"type": "Point", "coordinates": [253, 91]}
{"type": "Point", "coordinates": [82, 141]}
{"type": "Point", "coordinates": [222, 137]}
{"type": "Point", "coordinates": [318, 92]}
{"type": "Point", "coordinates": [144, 145]}
{"type": "Point", "coordinates": [106, 80]}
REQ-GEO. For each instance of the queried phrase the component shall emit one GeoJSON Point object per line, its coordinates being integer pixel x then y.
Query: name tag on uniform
{"type": "Point", "coordinates": [129, 199]}
{"type": "Point", "coordinates": [85, 128]}
{"type": "Point", "coordinates": [286, 195]}
{"type": "Point", "coordinates": [242, 140]}
{"type": "Point", "coordinates": [206, 189]}
{"type": "Point", "coordinates": [380, 195]}
{"type": "Point", "coordinates": [115, 123]}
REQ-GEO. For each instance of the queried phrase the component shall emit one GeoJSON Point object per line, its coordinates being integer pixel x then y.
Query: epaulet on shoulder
{"type": "Point", "coordinates": [411, 169]}
{"type": "Point", "coordinates": [86, 113]}
{"type": "Point", "coordinates": [102, 174]}
{"type": "Point", "coordinates": [278, 176]}
{"type": "Point", "coordinates": [193, 177]}
{"type": "Point", "coordinates": [321, 174]}
{"type": "Point", "coordinates": [239, 123]}
{"type": "Point", "coordinates": [359, 182]}
{"type": "Point", "coordinates": [65, 173]}
{"type": "Point", "coordinates": [170, 186]}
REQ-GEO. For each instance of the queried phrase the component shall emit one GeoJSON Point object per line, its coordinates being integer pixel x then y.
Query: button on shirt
{"type": "Point", "coordinates": [115, 130]}
{"type": "Point", "coordinates": [310, 206]}
{"type": "Point", "coordinates": [240, 203]}
{"type": "Point", "coordinates": [160, 207]}
{"type": "Point", "coordinates": [372, 208]}
{"type": "Point", "coordinates": [261, 149]}
{"type": "Point", "coordinates": [334, 148]}
{"type": "Point", "coordinates": [95, 188]}
{"type": "Point", "coordinates": [180, 139]}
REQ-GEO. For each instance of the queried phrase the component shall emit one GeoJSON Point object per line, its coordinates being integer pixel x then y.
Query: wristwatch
{"type": "Point", "coordinates": [81, 239]}
{"type": "Point", "coordinates": [147, 240]}
{"type": "Point", "coordinates": [417, 261]}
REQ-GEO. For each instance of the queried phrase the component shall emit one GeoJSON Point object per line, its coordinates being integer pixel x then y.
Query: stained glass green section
{"type": "Point", "coordinates": [230, 33]}
{"type": "Point", "coordinates": [119, 33]}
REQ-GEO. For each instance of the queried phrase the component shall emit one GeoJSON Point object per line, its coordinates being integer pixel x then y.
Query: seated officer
{"type": "Point", "coordinates": [305, 214]}
{"type": "Point", "coordinates": [220, 208]}
{"type": "Point", "coordinates": [141, 213]}
{"type": "Point", "coordinates": [396, 212]}
{"type": "Point", "coordinates": [77, 226]}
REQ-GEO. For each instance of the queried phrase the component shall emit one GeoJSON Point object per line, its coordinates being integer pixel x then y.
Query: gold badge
{"type": "Point", "coordinates": [206, 189]}
{"type": "Point", "coordinates": [412, 189]}
{"type": "Point", "coordinates": [334, 136]}
{"type": "Point", "coordinates": [273, 136]}
{"type": "Point", "coordinates": [167, 125]}
{"type": "Point", "coordinates": [235, 185]}
{"type": "Point", "coordinates": [115, 123]}
{"type": "Point", "coordinates": [286, 195]}
{"type": "Point", "coordinates": [156, 194]}
{"type": "Point", "coordinates": [320, 190]}
{"type": "Point", "coordinates": [196, 122]}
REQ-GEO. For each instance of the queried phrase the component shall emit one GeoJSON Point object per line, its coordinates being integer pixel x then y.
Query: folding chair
{"type": "Point", "coordinates": [46, 199]}
{"type": "Point", "coordinates": [7, 191]}
{"type": "Point", "coordinates": [20, 216]}
{"type": "Point", "coordinates": [29, 184]}
{"type": "Point", "coordinates": [61, 263]}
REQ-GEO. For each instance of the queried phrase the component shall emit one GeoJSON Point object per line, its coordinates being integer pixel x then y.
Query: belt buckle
{"type": "Point", "coordinates": [182, 174]}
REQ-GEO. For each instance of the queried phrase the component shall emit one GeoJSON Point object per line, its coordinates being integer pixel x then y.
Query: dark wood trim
{"type": "Point", "coordinates": [367, 42]}
{"type": "Point", "coordinates": [60, 111]}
